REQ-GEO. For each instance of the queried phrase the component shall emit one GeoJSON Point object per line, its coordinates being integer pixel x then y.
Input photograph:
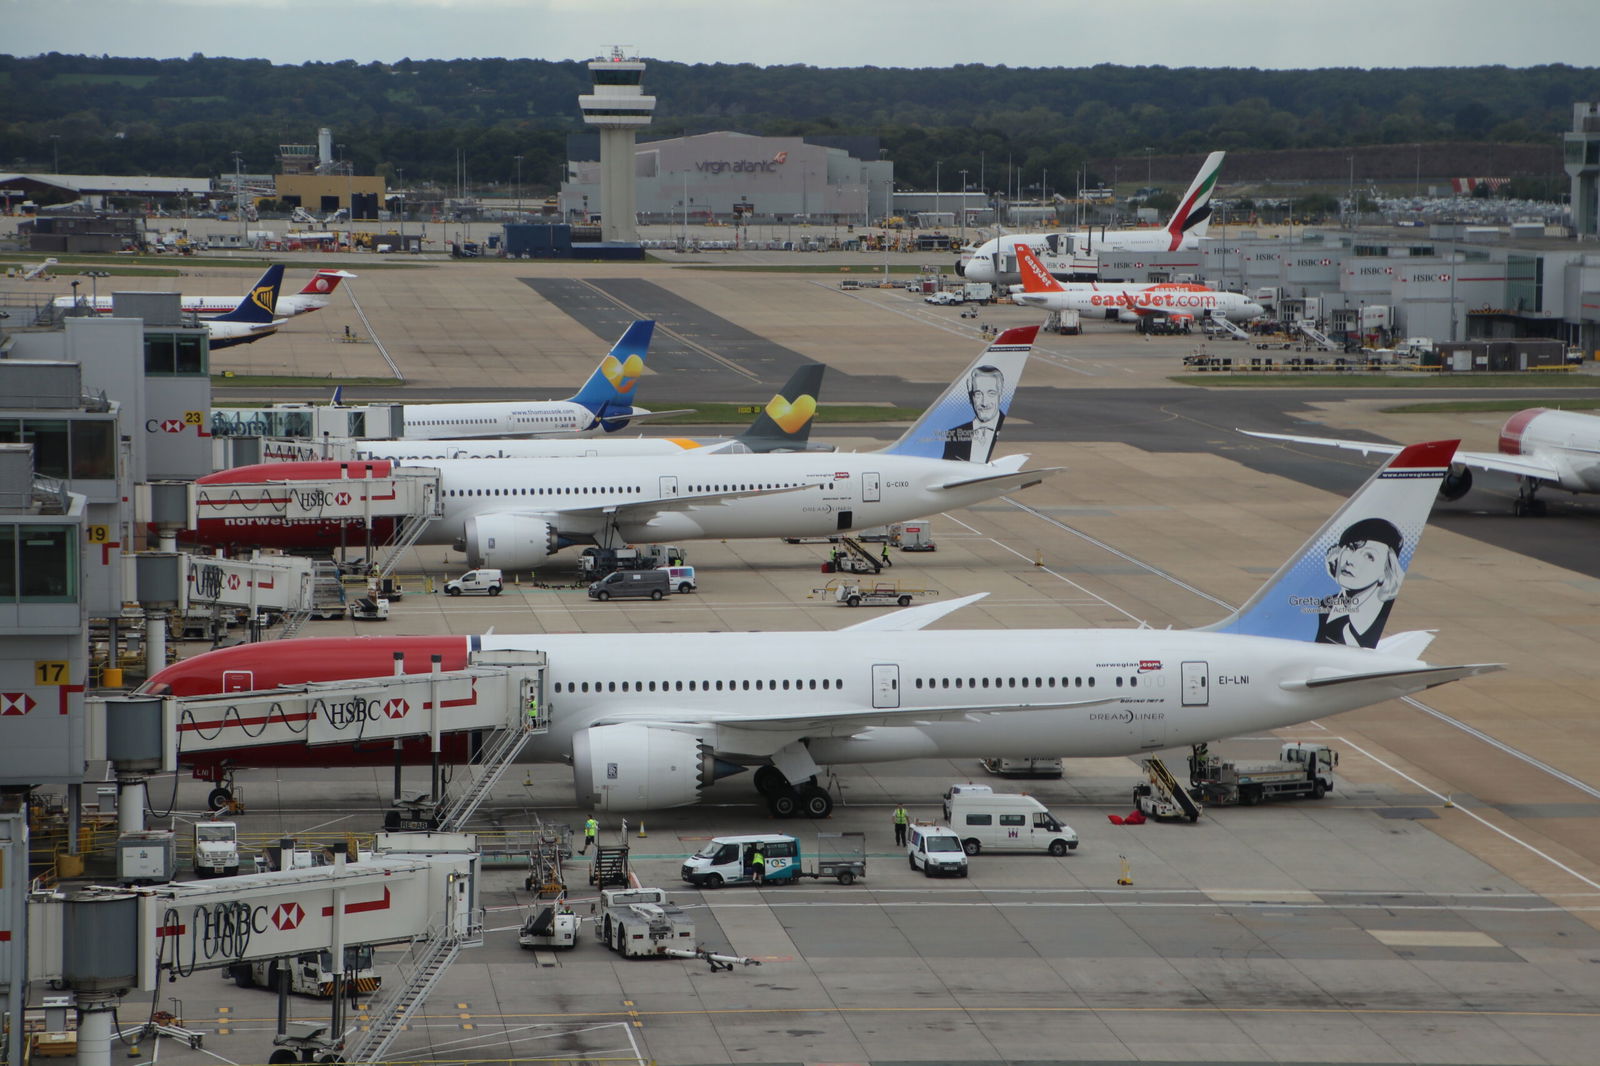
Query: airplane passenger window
{"type": "Point", "coordinates": [719, 686]}
{"type": "Point", "coordinates": [1091, 682]}
{"type": "Point", "coordinates": [586, 686]}
{"type": "Point", "coordinates": [678, 685]}
{"type": "Point", "coordinates": [986, 682]}
{"type": "Point", "coordinates": [958, 682]}
{"type": "Point", "coordinates": [786, 684]}
{"type": "Point", "coordinates": [1133, 682]}
{"type": "Point", "coordinates": [1119, 681]}
{"type": "Point", "coordinates": [813, 682]}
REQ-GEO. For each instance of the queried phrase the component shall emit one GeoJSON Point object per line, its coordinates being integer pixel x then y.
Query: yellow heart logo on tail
{"type": "Point", "coordinates": [791, 417]}
{"type": "Point", "coordinates": [622, 376]}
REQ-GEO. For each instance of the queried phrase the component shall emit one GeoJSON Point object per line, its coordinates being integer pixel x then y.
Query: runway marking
{"type": "Point", "coordinates": [694, 346]}
{"type": "Point", "coordinates": [376, 341]}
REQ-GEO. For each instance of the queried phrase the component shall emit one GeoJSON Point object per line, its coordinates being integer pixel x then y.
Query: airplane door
{"type": "Point", "coordinates": [669, 486]}
{"type": "Point", "coordinates": [1196, 684]}
{"type": "Point", "coordinates": [238, 680]}
{"type": "Point", "coordinates": [885, 685]}
{"type": "Point", "coordinates": [871, 488]}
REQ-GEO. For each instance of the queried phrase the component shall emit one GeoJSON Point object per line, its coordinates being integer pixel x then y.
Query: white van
{"type": "Point", "coordinates": [936, 849]}
{"type": "Point", "coordinates": [681, 577]}
{"type": "Point", "coordinates": [964, 788]}
{"type": "Point", "coordinates": [1005, 821]}
{"type": "Point", "coordinates": [480, 580]}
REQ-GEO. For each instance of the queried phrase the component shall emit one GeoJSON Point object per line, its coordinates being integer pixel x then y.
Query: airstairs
{"type": "Point", "coordinates": [1315, 336]}
{"type": "Point", "coordinates": [420, 970]}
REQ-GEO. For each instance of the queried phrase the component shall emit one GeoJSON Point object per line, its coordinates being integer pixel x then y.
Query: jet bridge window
{"type": "Point", "coordinates": [38, 564]}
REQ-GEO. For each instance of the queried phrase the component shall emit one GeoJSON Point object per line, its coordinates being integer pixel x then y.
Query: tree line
{"type": "Point", "coordinates": [436, 120]}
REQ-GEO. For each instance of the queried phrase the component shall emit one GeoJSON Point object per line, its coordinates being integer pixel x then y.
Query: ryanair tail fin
{"type": "Point", "coordinates": [964, 423]}
{"type": "Point", "coordinates": [611, 385]}
{"type": "Point", "coordinates": [258, 306]}
{"type": "Point", "coordinates": [785, 423]}
{"type": "Point", "coordinates": [1339, 587]}
{"type": "Point", "coordinates": [1193, 215]}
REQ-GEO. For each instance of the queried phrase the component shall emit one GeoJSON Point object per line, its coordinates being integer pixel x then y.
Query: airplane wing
{"type": "Point", "coordinates": [1520, 465]}
{"type": "Point", "coordinates": [911, 619]}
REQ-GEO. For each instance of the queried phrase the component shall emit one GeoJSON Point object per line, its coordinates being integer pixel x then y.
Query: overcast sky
{"type": "Point", "coordinates": [894, 33]}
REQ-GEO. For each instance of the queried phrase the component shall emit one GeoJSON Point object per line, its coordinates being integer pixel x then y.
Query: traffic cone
{"type": "Point", "coordinates": [641, 829]}
{"type": "Point", "coordinates": [1038, 557]}
{"type": "Point", "coordinates": [1127, 872]}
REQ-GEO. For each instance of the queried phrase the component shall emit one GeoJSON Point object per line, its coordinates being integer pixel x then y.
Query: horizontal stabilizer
{"type": "Point", "coordinates": [641, 415]}
{"type": "Point", "coordinates": [911, 619]}
{"type": "Point", "coordinates": [1006, 481]}
{"type": "Point", "coordinates": [1405, 680]}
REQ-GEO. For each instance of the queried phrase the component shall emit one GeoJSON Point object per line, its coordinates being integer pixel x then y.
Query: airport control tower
{"type": "Point", "coordinates": [618, 107]}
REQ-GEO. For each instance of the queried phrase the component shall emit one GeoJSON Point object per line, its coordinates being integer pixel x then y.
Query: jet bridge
{"type": "Point", "coordinates": [418, 888]}
{"type": "Point", "coordinates": [499, 692]}
{"type": "Point", "coordinates": [411, 497]}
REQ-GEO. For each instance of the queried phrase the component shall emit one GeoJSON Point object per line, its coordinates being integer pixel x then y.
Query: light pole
{"type": "Point", "coordinates": [400, 194]}
{"type": "Point", "coordinates": [962, 207]}
{"type": "Point", "coordinates": [94, 277]}
{"type": "Point", "coordinates": [1148, 181]}
{"type": "Point", "coordinates": [937, 163]}
{"type": "Point", "coordinates": [238, 192]}
{"type": "Point", "coordinates": [519, 187]}
{"type": "Point", "coordinates": [55, 150]}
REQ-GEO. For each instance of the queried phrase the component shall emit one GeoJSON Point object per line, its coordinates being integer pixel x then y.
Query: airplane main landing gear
{"type": "Point", "coordinates": [1527, 504]}
{"type": "Point", "coordinates": [786, 801]}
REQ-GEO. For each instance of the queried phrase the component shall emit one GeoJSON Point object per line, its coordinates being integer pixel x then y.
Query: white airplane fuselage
{"type": "Point", "coordinates": [1568, 441]}
{"type": "Point", "coordinates": [207, 306]}
{"type": "Point", "coordinates": [1075, 253]}
{"type": "Point", "coordinates": [644, 497]}
{"type": "Point", "coordinates": [1234, 685]}
{"type": "Point", "coordinates": [444, 421]}
{"type": "Point", "coordinates": [1130, 302]}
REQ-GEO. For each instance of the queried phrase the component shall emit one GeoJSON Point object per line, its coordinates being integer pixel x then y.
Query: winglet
{"type": "Point", "coordinates": [911, 619]}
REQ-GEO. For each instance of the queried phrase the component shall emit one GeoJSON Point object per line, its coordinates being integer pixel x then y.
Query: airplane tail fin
{"type": "Point", "coordinates": [1193, 215]}
{"type": "Point", "coordinates": [611, 384]}
{"type": "Point", "coordinates": [324, 282]}
{"type": "Point", "coordinates": [258, 306]}
{"type": "Point", "coordinates": [785, 423]}
{"type": "Point", "coordinates": [964, 423]}
{"type": "Point", "coordinates": [338, 396]}
{"type": "Point", "coordinates": [1035, 278]}
{"type": "Point", "coordinates": [1339, 587]}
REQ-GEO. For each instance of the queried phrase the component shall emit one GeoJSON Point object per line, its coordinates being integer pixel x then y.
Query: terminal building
{"type": "Point", "coordinates": [726, 177]}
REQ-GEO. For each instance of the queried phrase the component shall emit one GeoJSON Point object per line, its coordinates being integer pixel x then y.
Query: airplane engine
{"type": "Point", "coordinates": [508, 542]}
{"type": "Point", "coordinates": [642, 767]}
{"type": "Point", "coordinates": [1457, 482]}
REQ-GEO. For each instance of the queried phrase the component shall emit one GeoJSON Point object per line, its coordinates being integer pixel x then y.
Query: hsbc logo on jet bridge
{"type": "Point", "coordinates": [311, 498]}
{"type": "Point", "coordinates": [342, 714]}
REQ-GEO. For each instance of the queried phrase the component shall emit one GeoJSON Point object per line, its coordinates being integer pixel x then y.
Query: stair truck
{"type": "Point", "coordinates": [1302, 769]}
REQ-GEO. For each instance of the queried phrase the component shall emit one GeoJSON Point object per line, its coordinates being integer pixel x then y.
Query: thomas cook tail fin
{"type": "Point", "coordinates": [1339, 587]}
{"type": "Point", "coordinates": [964, 423]}
{"type": "Point", "coordinates": [785, 423]}
{"type": "Point", "coordinates": [258, 306]}
{"type": "Point", "coordinates": [611, 385]}
{"type": "Point", "coordinates": [1193, 215]}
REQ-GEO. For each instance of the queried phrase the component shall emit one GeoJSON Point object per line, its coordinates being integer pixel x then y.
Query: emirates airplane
{"type": "Point", "coordinates": [1538, 447]}
{"type": "Point", "coordinates": [312, 297]}
{"type": "Point", "coordinates": [515, 515]}
{"type": "Point", "coordinates": [647, 720]}
{"type": "Point", "coordinates": [1074, 255]}
{"type": "Point", "coordinates": [1128, 303]}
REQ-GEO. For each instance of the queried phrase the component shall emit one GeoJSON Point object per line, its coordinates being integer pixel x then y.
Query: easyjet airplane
{"type": "Point", "coordinates": [313, 296]}
{"type": "Point", "coordinates": [515, 515]}
{"type": "Point", "coordinates": [647, 720]}
{"type": "Point", "coordinates": [1538, 447]}
{"type": "Point", "coordinates": [1127, 303]}
{"type": "Point", "coordinates": [1073, 254]}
